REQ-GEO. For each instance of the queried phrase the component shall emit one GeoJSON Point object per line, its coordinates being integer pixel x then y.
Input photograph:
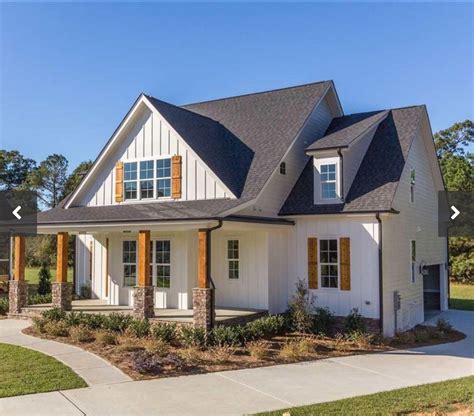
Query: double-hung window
{"type": "Point", "coordinates": [233, 259]}
{"type": "Point", "coordinates": [146, 179]}
{"type": "Point", "coordinates": [129, 260]}
{"type": "Point", "coordinates": [130, 180]}
{"type": "Point", "coordinates": [413, 260]}
{"type": "Point", "coordinates": [328, 258]}
{"type": "Point", "coordinates": [328, 181]}
{"type": "Point", "coordinates": [163, 263]}
{"type": "Point", "coordinates": [163, 175]}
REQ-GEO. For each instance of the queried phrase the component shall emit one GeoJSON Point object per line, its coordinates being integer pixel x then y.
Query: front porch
{"type": "Point", "coordinates": [224, 316]}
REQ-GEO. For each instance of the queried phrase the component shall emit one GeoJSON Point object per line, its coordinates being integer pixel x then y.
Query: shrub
{"type": "Point", "coordinates": [92, 320]}
{"type": "Point", "coordinates": [39, 323]}
{"type": "Point", "coordinates": [146, 363]}
{"type": "Point", "coordinates": [221, 354]}
{"type": "Point", "coordinates": [354, 322]}
{"type": "Point", "coordinates": [166, 332]}
{"type": "Point", "coordinates": [258, 349]}
{"type": "Point", "coordinates": [156, 346]}
{"type": "Point", "coordinates": [129, 345]}
{"type": "Point", "coordinates": [227, 335]}
{"type": "Point", "coordinates": [421, 334]}
{"type": "Point", "coordinates": [117, 322]}
{"type": "Point", "coordinates": [442, 325]}
{"type": "Point", "coordinates": [266, 326]}
{"type": "Point", "coordinates": [81, 334]}
{"type": "Point", "coordinates": [323, 321]}
{"type": "Point", "coordinates": [85, 292]}
{"type": "Point", "coordinates": [54, 314]}
{"type": "Point", "coordinates": [301, 307]}
{"type": "Point", "coordinates": [44, 280]}
{"type": "Point", "coordinates": [192, 337]}
{"type": "Point", "coordinates": [138, 328]}
{"type": "Point", "coordinates": [340, 343]}
{"type": "Point", "coordinates": [38, 299]}
{"type": "Point", "coordinates": [56, 328]}
{"type": "Point", "coordinates": [190, 355]}
{"type": "Point", "coordinates": [403, 338]}
{"type": "Point", "coordinates": [74, 318]}
{"type": "Point", "coordinates": [361, 339]}
{"type": "Point", "coordinates": [296, 349]}
{"type": "Point", "coordinates": [4, 306]}
{"type": "Point", "coordinates": [106, 338]}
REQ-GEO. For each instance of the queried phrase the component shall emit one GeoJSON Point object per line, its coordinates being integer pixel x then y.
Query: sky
{"type": "Point", "coordinates": [71, 71]}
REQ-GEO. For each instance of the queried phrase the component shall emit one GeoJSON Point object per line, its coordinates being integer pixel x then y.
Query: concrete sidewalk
{"type": "Point", "coordinates": [93, 369]}
{"type": "Point", "coordinates": [253, 390]}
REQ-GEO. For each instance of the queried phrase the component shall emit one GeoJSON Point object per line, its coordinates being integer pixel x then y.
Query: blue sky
{"type": "Point", "coordinates": [70, 72]}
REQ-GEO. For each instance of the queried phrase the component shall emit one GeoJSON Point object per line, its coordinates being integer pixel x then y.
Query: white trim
{"type": "Point", "coordinates": [317, 163]}
{"type": "Point", "coordinates": [320, 277]}
{"type": "Point", "coordinates": [238, 259]}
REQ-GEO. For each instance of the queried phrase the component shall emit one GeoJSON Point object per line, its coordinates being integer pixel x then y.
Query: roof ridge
{"type": "Point", "coordinates": [382, 110]}
{"type": "Point", "coordinates": [254, 93]}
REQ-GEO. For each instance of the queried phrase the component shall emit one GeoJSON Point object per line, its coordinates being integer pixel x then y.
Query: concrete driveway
{"type": "Point", "coordinates": [250, 391]}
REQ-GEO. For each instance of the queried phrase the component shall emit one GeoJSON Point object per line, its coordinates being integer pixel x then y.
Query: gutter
{"type": "Point", "coordinates": [377, 216]}
{"type": "Point", "coordinates": [339, 152]}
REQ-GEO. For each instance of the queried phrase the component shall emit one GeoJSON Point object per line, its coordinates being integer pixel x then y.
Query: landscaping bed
{"type": "Point", "coordinates": [151, 350]}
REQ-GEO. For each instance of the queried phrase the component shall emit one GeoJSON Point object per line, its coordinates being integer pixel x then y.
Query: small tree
{"type": "Point", "coordinates": [44, 283]}
{"type": "Point", "coordinates": [301, 308]}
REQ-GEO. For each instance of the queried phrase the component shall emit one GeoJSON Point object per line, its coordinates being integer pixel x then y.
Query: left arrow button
{"type": "Point", "coordinates": [15, 212]}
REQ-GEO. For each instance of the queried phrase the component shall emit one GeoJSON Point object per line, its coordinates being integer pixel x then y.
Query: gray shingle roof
{"type": "Point", "coordinates": [344, 130]}
{"type": "Point", "coordinates": [375, 184]}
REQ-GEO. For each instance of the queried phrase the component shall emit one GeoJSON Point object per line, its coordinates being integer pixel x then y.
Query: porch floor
{"type": "Point", "coordinates": [223, 315]}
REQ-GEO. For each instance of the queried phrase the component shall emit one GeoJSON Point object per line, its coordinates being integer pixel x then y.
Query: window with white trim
{"type": "Point", "coordinates": [413, 260]}
{"type": "Point", "coordinates": [412, 185]}
{"type": "Point", "coordinates": [163, 175]}
{"type": "Point", "coordinates": [163, 263]}
{"type": "Point", "coordinates": [4, 255]}
{"type": "Point", "coordinates": [129, 260]}
{"type": "Point", "coordinates": [328, 259]}
{"type": "Point", "coordinates": [146, 179]}
{"type": "Point", "coordinates": [130, 180]}
{"type": "Point", "coordinates": [233, 259]}
{"type": "Point", "coordinates": [328, 177]}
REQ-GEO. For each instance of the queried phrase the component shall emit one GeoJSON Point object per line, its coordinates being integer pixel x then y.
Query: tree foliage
{"type": "Point", "coordinates": [453, 140]}
{"type": "Point", "coordinates": [14, 169]}
{"type": "Point", "coordinates": [75, 177]}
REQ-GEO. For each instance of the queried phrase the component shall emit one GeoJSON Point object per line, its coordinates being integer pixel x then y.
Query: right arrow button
{"type": "Point", "coordinates": [456, 212]}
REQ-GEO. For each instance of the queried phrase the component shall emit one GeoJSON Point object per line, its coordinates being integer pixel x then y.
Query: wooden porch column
{"type": "Point", "coordinates": [18, 287]}
{"type": "Point", "coordinates": [202, 259]}
{"type": "Point", "coordinates": [143, 295]}
{"type": "Point", "coordinates": [61, 289]}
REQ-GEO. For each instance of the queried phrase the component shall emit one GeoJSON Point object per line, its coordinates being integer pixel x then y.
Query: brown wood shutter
{"type": "Point", "coordinates": [176, 179]}
{"type": "Point", "coordinates": [119, 182]}
{"type": "Point", "coordinates": [345, 247]}
{"type": "Point", "coordinates": [312, 263]}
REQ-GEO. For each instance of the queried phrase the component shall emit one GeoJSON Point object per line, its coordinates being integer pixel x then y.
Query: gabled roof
{"type": "Point", "coordinates": [376, 181]}
{"type": "Point", "coordinates": [345, 130]}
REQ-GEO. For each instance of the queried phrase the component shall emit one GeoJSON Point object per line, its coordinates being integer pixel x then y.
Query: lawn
{"type": "Point", "coordinates": [437, 398]}
{"type": "Point", "coordinates": [25, 371]}
{"type": "Point", "coordinates": [31, 274]}
{"type": "Point", "coordinates": [462, 297]}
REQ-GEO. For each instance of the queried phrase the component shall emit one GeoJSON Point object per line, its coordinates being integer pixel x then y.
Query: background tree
{"type": "Point", "coordinates": [75, 177]}
{"type": "Point", "coordinates": [44, 281]}
{"type": "Point", "coordinates": [49, 179]}
{"type": "Point", "coordinates": [457, 166]}
{"type": "Point", "coordinates": [14, 169]}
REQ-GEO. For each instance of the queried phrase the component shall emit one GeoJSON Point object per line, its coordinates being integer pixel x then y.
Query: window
{"type": "Point", "coordinates": [233, 258]}
{"type": "Point", "coordinates": [413, 260]}
{"type": "Point", "coordinates": [129, 263]}
{"type": "Point", "coordinates": [163, 174]}
{"type": "Point", "coordinates": [283, 168]}
{"type": "Point", "coordinates": [328, 258]}
{"type": "Point", "coordinates": [163, 263]}
{"type": "Point", "coordinates": [146, 179]}
{"type": "Point", "coordinates": [412, 185]}
{"type": "Point", "coordinates": [328, 181]}
{"type": "Point", "coordinates": [4, 255]}
{"type": "Point", "coordinates": [130, 180]}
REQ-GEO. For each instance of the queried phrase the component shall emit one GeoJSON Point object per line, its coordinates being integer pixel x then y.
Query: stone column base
{"type": "Point", "coordinates": [62, 295]}
{"type": "Point", "coordinates": [17, 295]}
{"type": "Point", "coordinates": [203, 308]}
{"type": "Point", "coordinates": [143, 302]}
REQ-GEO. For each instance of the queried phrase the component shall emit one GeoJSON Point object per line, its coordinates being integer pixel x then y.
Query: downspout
{"type": "Point", "coordinates": [377, 215]}
{"type": "Point", "coordinates": [339, 152]}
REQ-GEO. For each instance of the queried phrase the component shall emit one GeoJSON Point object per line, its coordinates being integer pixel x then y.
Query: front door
{"type": "Point", "coordinates": [432, 289]}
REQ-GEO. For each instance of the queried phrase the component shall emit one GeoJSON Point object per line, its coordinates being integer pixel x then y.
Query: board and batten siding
{"type": "Point", "coordinates": [279, 186]}
{"type": "Point", "coordinates": [416, 221]}
{"type": "Point", "coordinates": [363, 234]}
{"type": "Point", "coordinates": [151, 137]}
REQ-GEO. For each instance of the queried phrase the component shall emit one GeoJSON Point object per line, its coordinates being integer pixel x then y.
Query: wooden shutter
{"type": "Point", "coordinates": [176, 179]}
{"type": "Point", "coordinates": [312, 263]}
{"type": "Point", "coordinates": [119, 182]}
{"type": "Point", "coordinates": [345, 247]}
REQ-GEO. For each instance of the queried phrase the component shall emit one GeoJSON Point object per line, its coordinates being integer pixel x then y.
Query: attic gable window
{"type": "Point", "coordinates": [328, 181]}
{"type": "Point", "coordinates": [130, 180]}
{"type": "Point", "coordinates": [163, 173]}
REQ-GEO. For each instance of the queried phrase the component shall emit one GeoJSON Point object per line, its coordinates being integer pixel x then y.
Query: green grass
{"type": "Point", "coordinates": [462, 297]}
{"type": "Point", "coordinates": [24, 371]}
{"type": "Point", "coordinates": [31, 274]}
{"type": "Point", "coordinates": [439, 397]}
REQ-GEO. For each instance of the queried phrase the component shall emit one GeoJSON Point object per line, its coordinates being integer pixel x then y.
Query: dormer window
{"type": "Point", "coordinates": [282, 168]}
{"type": "Point", "coordinates": [328, 181]}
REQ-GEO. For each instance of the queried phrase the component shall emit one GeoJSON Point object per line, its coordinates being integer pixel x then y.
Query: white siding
{"type": "Point", "coordinates": [152, 137]}
{"type": "Point", "coordinates": [279, 186]}
{"type": "Point", "coordinates": [419, 222]}
{"type": "Point", "coordinates": [363, 232]}
{"type": "Point", "coordinates": [82, 261]}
